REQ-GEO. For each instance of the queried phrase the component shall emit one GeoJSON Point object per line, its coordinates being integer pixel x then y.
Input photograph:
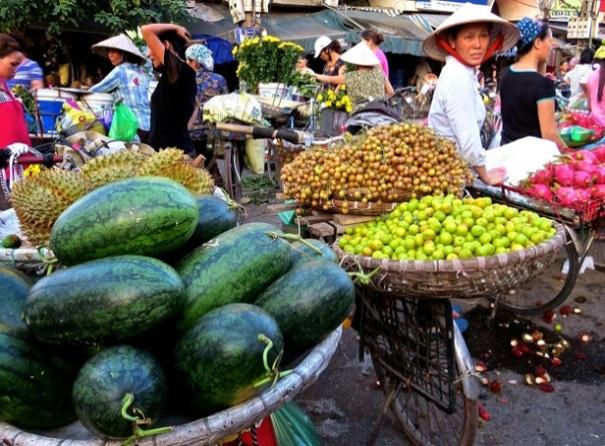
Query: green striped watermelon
{"type": "Point", "coordinates": [233, 267]}
{"type": "Point", "coordinates": [14, 286]}
{"type": "Point", "coordinates": [143, 215]}
{"type": "Point", "coordinates": [103, 301]}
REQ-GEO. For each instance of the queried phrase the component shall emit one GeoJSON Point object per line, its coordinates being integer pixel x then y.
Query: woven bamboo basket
{"type": "Point", "coordinates": [205, 431]}
{"type": "Point", "coordinates": [461, 279]}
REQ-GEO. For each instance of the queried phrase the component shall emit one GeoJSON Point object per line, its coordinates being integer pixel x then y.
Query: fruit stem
{"type": "Point", "coordinates": [126, 403]}
{"type": "Point", "coordinates": [273, 373]}
{"type": "Point", "coordinates": [141, 433]}
{"type": "Point", "coordinates": [296, 238]}
{"type": "Point", "coordinates": [362, 277]}
{"type": "Point", "coordinates": [46, 259]}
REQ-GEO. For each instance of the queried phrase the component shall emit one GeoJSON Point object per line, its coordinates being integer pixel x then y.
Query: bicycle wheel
{"type": "Point", "coordinates": [548, 290]}
{"type": "Point", "coordinates": [422, 421]}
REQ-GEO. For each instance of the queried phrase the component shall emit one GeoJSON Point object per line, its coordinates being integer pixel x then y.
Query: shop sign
{"type": "Point", "coordinates": [445, 6]}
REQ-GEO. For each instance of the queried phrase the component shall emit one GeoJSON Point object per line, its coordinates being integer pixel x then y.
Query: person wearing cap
{"type": "Point", "coordinates": [173, 100]}
{"type": "Point", "coordinates": [367, 81]}
{"type": "Point", "coordinates": [128, 78]}
{"type": "Point", "coordinates": [527, 96]}
{"type": "Point", "coordinates": [329, 52]}
{"type": "Point", "coordinates": [209, 84]}
{"type": "Point", "coordinates": [595, 87]}
{"type": "Point", "coordinates": [465, 40]}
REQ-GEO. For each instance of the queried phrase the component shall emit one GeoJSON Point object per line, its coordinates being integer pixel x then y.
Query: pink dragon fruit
{"type": "Point", "coordinates": [583, 196]}
{"type": "Point", "coordinates": [599, 153]}
{"type": "Point", "coordinates": [582, 179]}
{"type": "Point", "coordinates": [585, 166]}
{"type": "Point", "coordinates": [598, 192]}
{"type": "Point", "coordinates": [567, 196]}
{"type": "Point", "coordinates": [542, 176]}
{"type": "Point", "coordinates": [563, 174]}
{"type": "Point", "coordinates": [599, 175]}
{"type": "Point", "coordinates": [541, 191]}
{"type": "Point", "coordinates": [585, 155]}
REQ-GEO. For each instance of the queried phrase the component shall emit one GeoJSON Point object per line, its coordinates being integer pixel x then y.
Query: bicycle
{"type": "Point", "coordinates": [419, 355]}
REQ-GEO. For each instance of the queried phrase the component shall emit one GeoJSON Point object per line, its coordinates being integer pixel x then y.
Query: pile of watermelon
{"type": "Point", "coordinates": [162, 304]}
{"type": "Point", "coordinates": [574, 182]}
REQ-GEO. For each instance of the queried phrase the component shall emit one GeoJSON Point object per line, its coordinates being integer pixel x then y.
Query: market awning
{"type": "Point", "coordinates": [402, 35]}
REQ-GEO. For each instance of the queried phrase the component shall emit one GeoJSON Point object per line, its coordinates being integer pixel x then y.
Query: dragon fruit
{"type": "Point", "coordinates": [542, 176]}
{"type": "Point", "coordinates": [585, 166]}
{"type": "Point", "coordinates": [599, 175]}
{"type": "Point", "coordinates": [585, 155]}
{"type": "Point", "coordinates": [598, 192]}
{"type": "Point", "coordinates": [541, 191]}
{"type": "Point", "coordinates": [567, 196]}
{"type": "Point", "coordinates": [563, 174]}
{"type": "Point", "coordinates": [582, 179]}
{"type": "Point", "coordinates": [599, 153]}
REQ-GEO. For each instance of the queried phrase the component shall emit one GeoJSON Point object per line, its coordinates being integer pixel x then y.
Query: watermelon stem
{"type": "Point", "coordinates": [296, 238]}
{"type": "Point", "coordinates": [137, 421]}
{"type": "Point", "coordinates": [363, 278]}
{"type": "Point", "coordinates": [273, 373]}
{"type": "Point", "coordinates": [48, 260]}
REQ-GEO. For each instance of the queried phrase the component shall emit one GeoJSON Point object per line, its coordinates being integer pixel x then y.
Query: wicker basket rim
{"type": "Point", "coordinates": [207, 431]}
{"type": "Point", "coordinates": [466, 266]}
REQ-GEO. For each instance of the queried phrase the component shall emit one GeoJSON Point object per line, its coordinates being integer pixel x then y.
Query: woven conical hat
{"type": "Point", "coordinates": [120, 42]}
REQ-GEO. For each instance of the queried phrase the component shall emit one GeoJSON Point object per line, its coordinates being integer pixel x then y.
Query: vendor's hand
{"type": "Point", "coordinates": [494, 176]}
{"type": "Point", "coordinates": [18, 148]}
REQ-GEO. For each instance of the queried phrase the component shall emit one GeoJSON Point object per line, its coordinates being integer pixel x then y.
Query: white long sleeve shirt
{"type": "Point", "coordinates": [457, 110]}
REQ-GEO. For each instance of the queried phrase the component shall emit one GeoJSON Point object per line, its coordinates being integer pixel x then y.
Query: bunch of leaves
{"type": "Point", "coordinates": [305, 83]}
{"type": "Point", "coordinates": [116, 15]}
{"type": "Point", "coordinates": [336, 98]}
{"type": "Point", "coordinates": [266, 59]}
{"type": "Point", "coordinates": [26, 98]}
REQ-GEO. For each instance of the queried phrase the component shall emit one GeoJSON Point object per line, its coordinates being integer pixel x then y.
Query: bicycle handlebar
{"type": "Point", "coordinates": [293, 136]}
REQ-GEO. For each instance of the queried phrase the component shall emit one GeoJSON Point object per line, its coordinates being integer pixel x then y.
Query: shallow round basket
{"type": "Point", "coordinates": [461, 279]}
{"type": "Point", "coordinates": [205, 431]}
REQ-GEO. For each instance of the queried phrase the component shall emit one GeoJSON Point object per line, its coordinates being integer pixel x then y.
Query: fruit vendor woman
{"type": "Point", "coordinates": [464, 41]}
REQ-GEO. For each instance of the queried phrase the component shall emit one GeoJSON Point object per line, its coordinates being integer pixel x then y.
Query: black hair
{"type": "Point", "coordinates": [587, 56]}
{"type": "Point", "coordinates": [374, 36]}
{"type": "Point", "coordinates": [175, 56]}
{"type": "Point", "coordinates": [8, 45]}
{"type": "Point", "coordinates": [333, 46]}
{"type": "Point", "coordinates": [523, 49]}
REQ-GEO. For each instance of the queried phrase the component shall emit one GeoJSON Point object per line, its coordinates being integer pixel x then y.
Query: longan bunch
{"type": "Point", "coordinates": [391, 164]}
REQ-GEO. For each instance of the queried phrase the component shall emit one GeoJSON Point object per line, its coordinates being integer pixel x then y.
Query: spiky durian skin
{"type": "Point", "coordinates": [40, 199]}
{"type": "Point", "coordinates": [163, 161]}
{"type": "Point", "coordinates": [109, 168]}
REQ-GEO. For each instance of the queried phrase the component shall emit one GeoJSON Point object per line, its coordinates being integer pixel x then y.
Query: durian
{"type": "Point", "coordinates": [164, 161]}
{"type": "Point", "coordinates": [109, 168]}
{"type": "Point", "coordinates": [174, 164]}
{"type": "Point", "coordinates": [198, 181]}
{"type": "Point", "coordinates": [40, 199]}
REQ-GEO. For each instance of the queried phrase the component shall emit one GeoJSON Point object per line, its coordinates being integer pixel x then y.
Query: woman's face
{"type": "Point", "coordinates": [9, 64]}
{"type": "Point", "coordinates": [115, 56]}
{"type": "Point", "coordinates": [544, 46]}
{"type": "Point", "coordinates": [564, 67]}
{"type": "Point", "coordinates": [325, 55]}
{"type": "Point", "coordinates": [193, 64]}
{"type": "Point", "coordinates": [471, 43]}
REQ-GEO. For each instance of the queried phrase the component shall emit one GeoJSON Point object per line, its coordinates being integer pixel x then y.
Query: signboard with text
{"type": "Point", "coordinates": [444, 5]}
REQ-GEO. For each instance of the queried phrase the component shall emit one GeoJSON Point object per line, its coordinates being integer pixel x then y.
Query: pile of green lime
{"type": "Point", "coordinates": [447, 228]}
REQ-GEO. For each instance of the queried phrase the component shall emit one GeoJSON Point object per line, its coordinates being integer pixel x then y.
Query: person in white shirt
{"type": "Point", "coordinates": [577, 77]}
{"type": "Point", "coordinates": [465, 40]}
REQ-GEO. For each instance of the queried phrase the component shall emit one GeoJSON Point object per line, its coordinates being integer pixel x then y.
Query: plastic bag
{"type": "Point", "coordinates": [124, 124]}
{"type": "Point", "coordinates": [74, 120]}
{"type": "Point", "coordinates": [255, 155]}
{"type": "Point", "coordinates": [293, 427]}
{"type": "Point", "coordinates": [240, 106]}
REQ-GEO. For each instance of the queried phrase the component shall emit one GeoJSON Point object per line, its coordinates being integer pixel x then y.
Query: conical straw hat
{"type": "Point", "coordinates": [120, 42]}
{"type": "Point", "coordinates": [466, 14]}
{"type": "Point", "coordinates": [360, 54]}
